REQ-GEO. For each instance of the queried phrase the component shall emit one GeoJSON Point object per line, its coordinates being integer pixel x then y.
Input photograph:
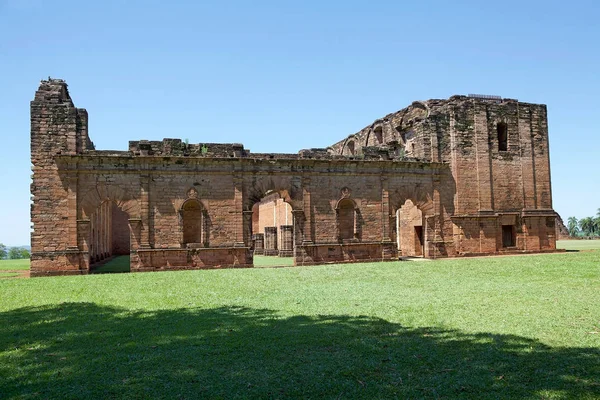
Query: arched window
{"type": "Point", "coordinates": [192, 216]}
{"type": "Point", "coordinates": [351, 147]}
{"type": "Point", "coordinates": [346, 219]}
{"type": "Point", "coordinates": [502, 131]}
{"type": "Point", "coordinates": [378, 135]}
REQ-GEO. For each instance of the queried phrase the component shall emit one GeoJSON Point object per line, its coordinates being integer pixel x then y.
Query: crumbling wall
{"type": "Point", "coordinates": [476, 171]}
{"type": "Point", "coordinates": [492, 174]}
{"type": "Point", "coordinates": [57, 128]}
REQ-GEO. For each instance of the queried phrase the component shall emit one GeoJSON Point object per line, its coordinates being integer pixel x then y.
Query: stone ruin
{"type": "Point", "coordinates": [469, 175]}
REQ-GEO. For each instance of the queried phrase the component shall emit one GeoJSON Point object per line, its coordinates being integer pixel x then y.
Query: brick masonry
{"type": "Point", "coordinates": [440, 178]}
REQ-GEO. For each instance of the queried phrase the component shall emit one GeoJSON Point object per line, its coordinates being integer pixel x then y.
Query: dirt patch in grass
{"type": "Point", "coordinates": [11, 274]}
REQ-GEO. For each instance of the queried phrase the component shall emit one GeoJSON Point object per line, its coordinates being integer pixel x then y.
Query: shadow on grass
{"type": "Point", "coordinates": [82, 350]}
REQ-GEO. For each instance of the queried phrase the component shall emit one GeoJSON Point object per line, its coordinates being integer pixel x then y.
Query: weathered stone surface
{"type": "Point", "coordinates": [440, 178]}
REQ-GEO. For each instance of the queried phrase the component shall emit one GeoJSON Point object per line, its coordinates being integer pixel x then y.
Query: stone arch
{"type": "Point", "coordinates": [107, 232]}
{"type": "Point", "coordinates": [288, 187]}
{"type": "Point", "coordinates": [347, 216]}
{"type": "Point", "coordinates": [375, 134]}
{"type": "Point", "coordinates": [274, 235]}
{"type": "Point", "coordinates": [410, 226]}
{"type": "Point", "coordinates": [97, 233]}
{"type": "Point", "coordinates": [378, 133]}
{"type": "Point", "coordinates": [418, 194]}
{"type": "Point", "coordinates": [94, 197]}
{"type": "Point", "coordinates": [343, 200]}
{"type": "Point", "coordinates": [349, 146]}
{"type": "Point", "coordinates": [397, 125]}
{"type": "Point", "coordinates": [367, 136]}
{"type": "Point", "coordinates": [193, 223]}
{"type": "Point", "coordinates": [421, 109]}
{"type": "Point", "coordinates": [418, 204]}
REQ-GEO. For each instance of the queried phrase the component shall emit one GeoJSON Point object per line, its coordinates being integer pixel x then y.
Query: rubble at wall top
{"type": "Point", "coordinates": [53, 91]}
{"type": "Point", "coordinates": [176, 147]}
{"type": "Point", "coordinates": [384, 139]}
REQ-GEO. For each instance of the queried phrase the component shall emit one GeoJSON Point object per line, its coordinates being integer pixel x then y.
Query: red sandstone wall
{"type": "Point", "coordinates": [55, 124]}
{"type": "Point", "coordinates": [273, 211]}
{"type": "Point", "coordinates": [463, 203]}
{"type": "Point", "coordinates": [364, 190]}
{"type": "Point", "coordinates": [121, 235]}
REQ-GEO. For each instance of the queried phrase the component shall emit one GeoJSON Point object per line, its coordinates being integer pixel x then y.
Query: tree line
{"type": "Point", "coordinates": [588, 226]}
{"type": "Point", "coordinates": [13, 253]}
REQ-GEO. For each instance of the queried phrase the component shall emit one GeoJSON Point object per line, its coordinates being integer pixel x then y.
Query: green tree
{"type": "Point", "coordinates": [15, 253]}
{"type": "Point", "coordinates": [596, 226]}
{"type": "Point", "coordinates": [25, 253]}
{"type": "Point", "coordinates": [3, 252]}
{"type": "Point", "coordinates": [587, 226]}
{"type": "Point", "coordinates": [573, 226]}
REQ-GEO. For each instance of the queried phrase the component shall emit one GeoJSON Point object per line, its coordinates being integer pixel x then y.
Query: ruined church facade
{"type": "Point", "coordinates": [468, 175]}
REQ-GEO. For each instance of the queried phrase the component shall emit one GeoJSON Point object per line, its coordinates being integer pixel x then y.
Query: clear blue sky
{"type": "Point", "coordinates": [280, 76]}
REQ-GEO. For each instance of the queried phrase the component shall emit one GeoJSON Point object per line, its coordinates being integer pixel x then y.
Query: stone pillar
{"type": "Point", "coordinates": [287, 241]}
{"type": "Point", "coordinates": [299, 249]}
{"type": "Point", "coordinates": [385, 210]}
{"type": "Point", "coordinates": [93, 244]}
{"type": "Point", "coordinates": [72, 221]}
{"type": "Point", "coordinates": [482, 154]}
{"type": "Point", "coordinates": [205, 232]}
{"type": "Point", "coordinates": [135, 238]}
{"type": "Point", "coordinates": [308, 232]}
{"type": "Point", "coordinates": [135, 234]}
{"type": "Point", "coordinates": [97, 235]}
{"type": "Point", "coordinates": [83, 242]}
{"type": "Point", "coordinates": [529, 187]}
{"type": "Point", "coordinates": [101, 231]}
{"type": "Point", "coordinates": [106, 235]}
{"type": "Point", "coordinates": [238, 215]}
{"type": "Point", "coordinates": [248, 238]}
{"type": "Point", "coordinates": [83, 234]}
{"type": "Point", "coordinates": [110, 228]}
{"type": "Point", "coordinates": [259, 244]}
{"type": "Point", "coordinates": [356, 227]}
{"type": "Point", "coordinates": [271, 241]}
{"type": "Point", "coordinates": [145, 211]}
{"type": "Point", "coordinates": [388, 246]}
{"type": "Point", "coordinates": [436, 221]}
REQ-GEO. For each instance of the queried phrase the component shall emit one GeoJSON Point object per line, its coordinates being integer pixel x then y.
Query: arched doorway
{"type": "Point", "coordinates": [109, 237]}
{"type": "Point", "coordinates": [193, 220]}
{"type": "Point", "coordinates": [410, 230]}
{"type": "Point", "coordinates": [272, 229]}
{"type": "Point", "coordinates": [347, 220]}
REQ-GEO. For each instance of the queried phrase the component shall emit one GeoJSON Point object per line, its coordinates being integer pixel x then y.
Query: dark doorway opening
{"type": "Point", "coordinates": [419, 240]}
{"type": "Point", "coordinates": [508, 236]}
{"type": "Point", "coordinates": [109, 240]}
{"type": "Point", "coordinates": [502, 131]}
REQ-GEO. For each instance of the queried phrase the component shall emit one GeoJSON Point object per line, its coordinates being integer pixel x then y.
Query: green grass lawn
{"type": "Point", "coordinates": [117, 264]}
{"type": "Point", "coordinates": [578, 244]}
{"type": "Point", "coordinates": [268, 261]}
{"type": "Point", "coordinates": [14, 265]}
{"type": "Point", "coordinates": [523, 327]}
{"type": "Point", "coordinates": [121, 263]}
